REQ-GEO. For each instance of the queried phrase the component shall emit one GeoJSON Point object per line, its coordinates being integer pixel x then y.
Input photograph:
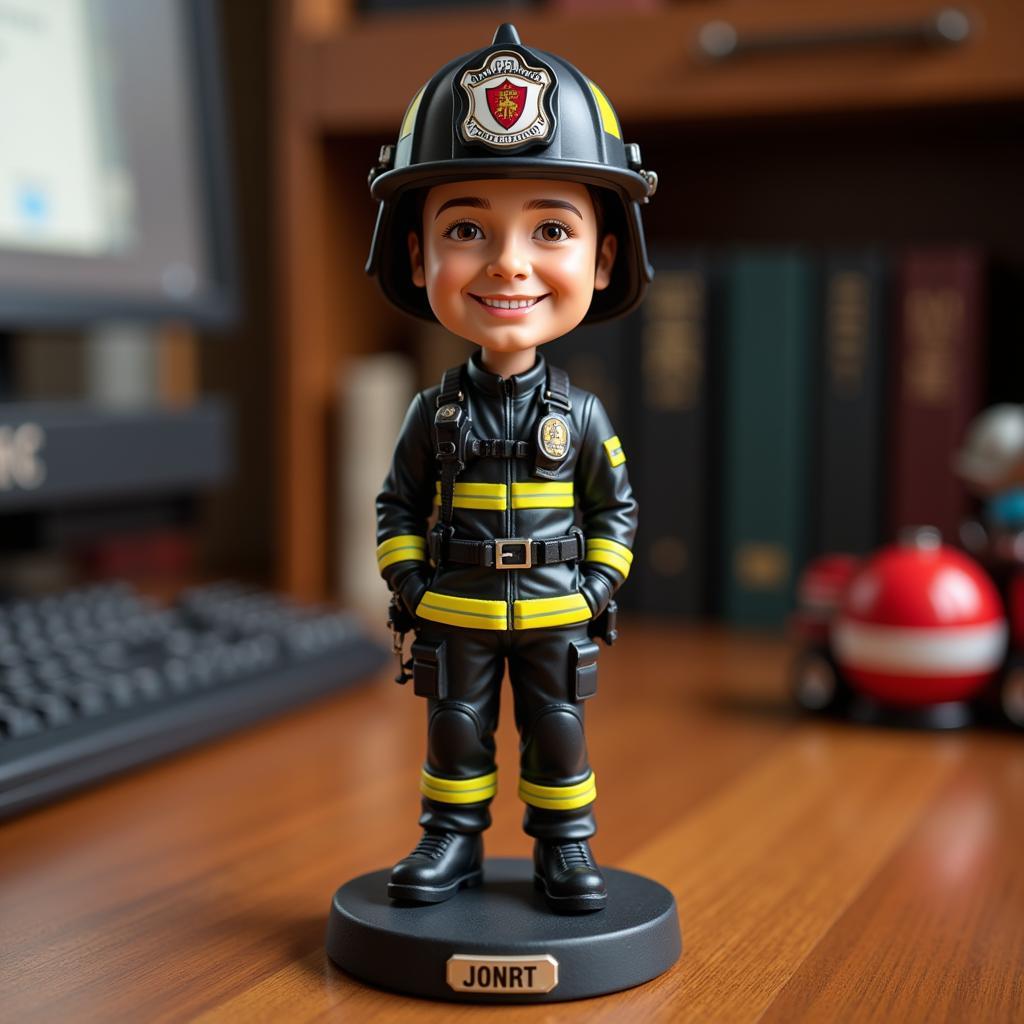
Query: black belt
{"type": "Point", "coordinates": [509, 552]}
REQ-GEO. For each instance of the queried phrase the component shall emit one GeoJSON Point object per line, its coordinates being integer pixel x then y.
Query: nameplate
{"type": "Point", "coordinates": [502, 974]}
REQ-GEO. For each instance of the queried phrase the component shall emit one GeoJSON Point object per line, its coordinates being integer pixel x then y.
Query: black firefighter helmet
{"type": "Point", "coordinates": [509, 111]}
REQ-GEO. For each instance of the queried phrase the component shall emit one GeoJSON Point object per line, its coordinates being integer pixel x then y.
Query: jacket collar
{"type": "Point", "coordinates": [518, 386]}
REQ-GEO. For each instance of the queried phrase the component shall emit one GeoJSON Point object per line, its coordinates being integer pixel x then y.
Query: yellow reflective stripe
{"type": "Point", "coordinates": [540, 612]}
{"type": "Point", "coordinates": [458, 791]}
{"type": "Point", "coordinates": [410, 114]}
{"type": "Point", "coordinates": [486, 496]}
{"type": "Point", "coordinates": [533, 495]}
{"type": "Point", "coordinates": [407, 547]}
{"type": "Point", "coordinates": [463, 611]}
{"type": "Point", "coordinates": [609, 552]}
{"type": "Point", "coordinates": [559, 798]}
{"type": "Point", "coordinates": [533, 613]}
{"type": "Point", "coordinates": [609, 121]}
{"type": "Point", "coordinates": [613, 449]}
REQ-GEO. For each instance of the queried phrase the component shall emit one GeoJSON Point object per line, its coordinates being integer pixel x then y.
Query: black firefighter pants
{"type": "Point", "coordinates": [460, 672]}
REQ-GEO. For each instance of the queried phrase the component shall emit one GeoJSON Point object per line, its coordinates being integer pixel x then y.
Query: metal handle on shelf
{"type": "Point", "coordinates": [720, 40]}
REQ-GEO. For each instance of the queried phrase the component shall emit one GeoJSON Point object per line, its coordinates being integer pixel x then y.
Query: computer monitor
{"type": "Point", "coordinates": [114, 197]}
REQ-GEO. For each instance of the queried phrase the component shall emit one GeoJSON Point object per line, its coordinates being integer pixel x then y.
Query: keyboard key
{"type": "Point", "coordinates": [16, 722]}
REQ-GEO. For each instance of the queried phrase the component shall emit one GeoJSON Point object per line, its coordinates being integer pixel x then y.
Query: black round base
{"type": "Point", "coordinates": [500, 943]}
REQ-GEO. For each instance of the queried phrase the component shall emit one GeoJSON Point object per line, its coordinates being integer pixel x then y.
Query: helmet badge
{"type": "Point", "coordinates": [507, 102]}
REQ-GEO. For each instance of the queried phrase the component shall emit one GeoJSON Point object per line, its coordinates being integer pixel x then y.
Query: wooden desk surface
{"type": "Point", "coordinates": [822, 871]}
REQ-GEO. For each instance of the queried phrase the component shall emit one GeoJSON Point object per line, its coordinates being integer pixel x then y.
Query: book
{"type": "Point", "coordinates": [937, 384]}
{"type": "Point", "coordinates": [848, 468]}
{"type": "Point", "coordinates": [668, 399]}
{"type": "Point", "coordinates": [767, 341]}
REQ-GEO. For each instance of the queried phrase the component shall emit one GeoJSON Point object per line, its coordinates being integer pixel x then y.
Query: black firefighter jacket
{"type": "Point", "coordinates": [498, 498]}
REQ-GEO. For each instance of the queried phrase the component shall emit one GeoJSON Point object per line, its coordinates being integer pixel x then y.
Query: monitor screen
{"type": "Point", "coordinates": [113, 184]}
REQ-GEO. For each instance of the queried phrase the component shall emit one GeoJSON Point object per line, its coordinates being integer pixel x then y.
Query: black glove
{"type": "Point", "coordinates": [411, 588]}
{"type": "Point", "coordinates": [597, 589]}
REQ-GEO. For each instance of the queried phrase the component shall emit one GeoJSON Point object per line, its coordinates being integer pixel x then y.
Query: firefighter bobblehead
{"type": "Point", "coordinates": [509, 210]}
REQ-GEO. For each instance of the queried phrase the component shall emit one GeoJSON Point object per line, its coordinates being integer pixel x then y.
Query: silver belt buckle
{"type": "Point", "coordinates": [500, 555]}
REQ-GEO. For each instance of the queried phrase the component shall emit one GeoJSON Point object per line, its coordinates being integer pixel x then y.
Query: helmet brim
{"type": "Point", "coordinates": [391, 184]}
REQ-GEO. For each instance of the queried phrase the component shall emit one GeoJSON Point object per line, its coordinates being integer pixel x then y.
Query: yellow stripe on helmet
{"type": "Point", "coordinates": [410, 115]}
{"type": "Point", "coordinates": [609, 122]}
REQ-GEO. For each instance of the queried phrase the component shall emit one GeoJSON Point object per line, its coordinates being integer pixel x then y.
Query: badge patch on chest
{"type": "Point", "coordinates": [553, 437]}
{"type": "Point", "coordinates": [507, 102]}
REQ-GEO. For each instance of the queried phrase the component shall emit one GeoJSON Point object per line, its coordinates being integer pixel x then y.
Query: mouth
{"type": "Point", "coordinates": [509, 305]}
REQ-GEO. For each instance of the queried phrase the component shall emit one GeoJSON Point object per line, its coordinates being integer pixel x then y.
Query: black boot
{"type": "Point", "coordinates": [441, 865]}
{"type": "Point", "coordinates": [565, 870]}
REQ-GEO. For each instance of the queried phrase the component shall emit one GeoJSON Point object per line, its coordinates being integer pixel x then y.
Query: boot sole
{"type": "Point", "coordinates": [570, 904]}
{"type": "Point", "coordinates": [434, 893]}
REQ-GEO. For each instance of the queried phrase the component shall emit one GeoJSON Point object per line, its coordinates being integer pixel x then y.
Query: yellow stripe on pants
{"type": "Point", "coordinates": [559, 798]}
{"type": "Point", "coordinates": [458, 791]}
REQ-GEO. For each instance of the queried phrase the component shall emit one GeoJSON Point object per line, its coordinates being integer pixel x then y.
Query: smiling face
{"type": "Point", "coordinates": [510, 264]}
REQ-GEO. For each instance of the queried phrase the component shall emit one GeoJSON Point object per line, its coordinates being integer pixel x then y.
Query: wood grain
{"type": "Point", "coordinates": [822, 871]}
{"type": "Point", "coordinates": [664, 78]}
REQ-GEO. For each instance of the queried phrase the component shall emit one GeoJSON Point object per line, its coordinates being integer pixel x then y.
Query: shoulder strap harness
{"type": "Point", "coordinates": [454, 443]}
{"type": "Point", "coordinates": [554, 439]}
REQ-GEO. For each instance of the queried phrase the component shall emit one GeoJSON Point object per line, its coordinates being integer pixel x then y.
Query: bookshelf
{"type": "Point", "coordinates": [882, 138]}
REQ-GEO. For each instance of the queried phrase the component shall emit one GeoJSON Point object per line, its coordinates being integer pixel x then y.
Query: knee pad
{"type": "Point", "coordinates": [453, 741]}
{"type": "Point", "coordinates": [554, 745]}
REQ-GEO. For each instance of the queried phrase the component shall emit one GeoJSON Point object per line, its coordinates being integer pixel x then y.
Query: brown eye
{"type": "Point", "coordinates": [464, 231]}
{"type": "Point", "coordinates": [552, 231]}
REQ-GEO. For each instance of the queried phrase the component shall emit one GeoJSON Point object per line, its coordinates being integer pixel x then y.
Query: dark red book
{"type": "Point", "coordinates": [938, 368]}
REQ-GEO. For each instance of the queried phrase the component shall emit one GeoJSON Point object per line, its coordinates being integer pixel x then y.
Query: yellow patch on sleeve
{"type": "Point", "coordinates": [613, 449]}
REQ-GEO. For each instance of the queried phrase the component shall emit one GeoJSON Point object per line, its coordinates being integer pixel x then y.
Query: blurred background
{"type": "Point", "coordinates": [198, 381]}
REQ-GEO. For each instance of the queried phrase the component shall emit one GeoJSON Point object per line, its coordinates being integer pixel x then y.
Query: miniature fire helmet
{"type": "Point", "coordinates": [509, 111]}
{"type": "Point", "coordinates": [993, 454]}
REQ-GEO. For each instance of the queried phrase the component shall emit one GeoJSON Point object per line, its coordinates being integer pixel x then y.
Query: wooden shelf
{"type": "Point", "coordinates": [361, 78]}
{"type": "Point", "coordinates": [344, 81]}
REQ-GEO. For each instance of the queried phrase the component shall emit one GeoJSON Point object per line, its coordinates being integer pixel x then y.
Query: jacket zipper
{"type": "Point", "coordinates": [509, 582]}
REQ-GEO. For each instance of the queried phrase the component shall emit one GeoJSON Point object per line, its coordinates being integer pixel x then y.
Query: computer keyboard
{"type": "Point", "coordinates": [97, 680]}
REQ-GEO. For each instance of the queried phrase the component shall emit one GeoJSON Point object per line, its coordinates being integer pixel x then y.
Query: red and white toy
{"type": "Point", "coordinates": [917, 632]}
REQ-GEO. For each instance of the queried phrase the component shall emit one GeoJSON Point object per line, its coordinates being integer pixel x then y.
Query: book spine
{"type": "Point", "coordinates": [669, 397]}
{"type": "Point", "coordinates": [937, 385]}
{"type": "Point", "coordinates": [848, 473]}
{"type": "Point", "coordinates": [768, 348]}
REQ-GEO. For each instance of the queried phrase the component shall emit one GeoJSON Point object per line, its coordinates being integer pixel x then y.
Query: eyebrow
{"type": "Point", "coordinates": [480, 204]}
{"type": "Point", "coordinates": [552, 204]}
{"type": "Point", "coordinates": [533, 204]}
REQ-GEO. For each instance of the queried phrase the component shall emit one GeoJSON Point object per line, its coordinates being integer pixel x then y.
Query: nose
{"type": "Point", "coordinates": [510, 262]}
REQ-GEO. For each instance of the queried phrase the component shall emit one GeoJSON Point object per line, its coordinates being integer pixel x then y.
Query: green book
{"type": "Point", "coordinates": [770, 317]}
